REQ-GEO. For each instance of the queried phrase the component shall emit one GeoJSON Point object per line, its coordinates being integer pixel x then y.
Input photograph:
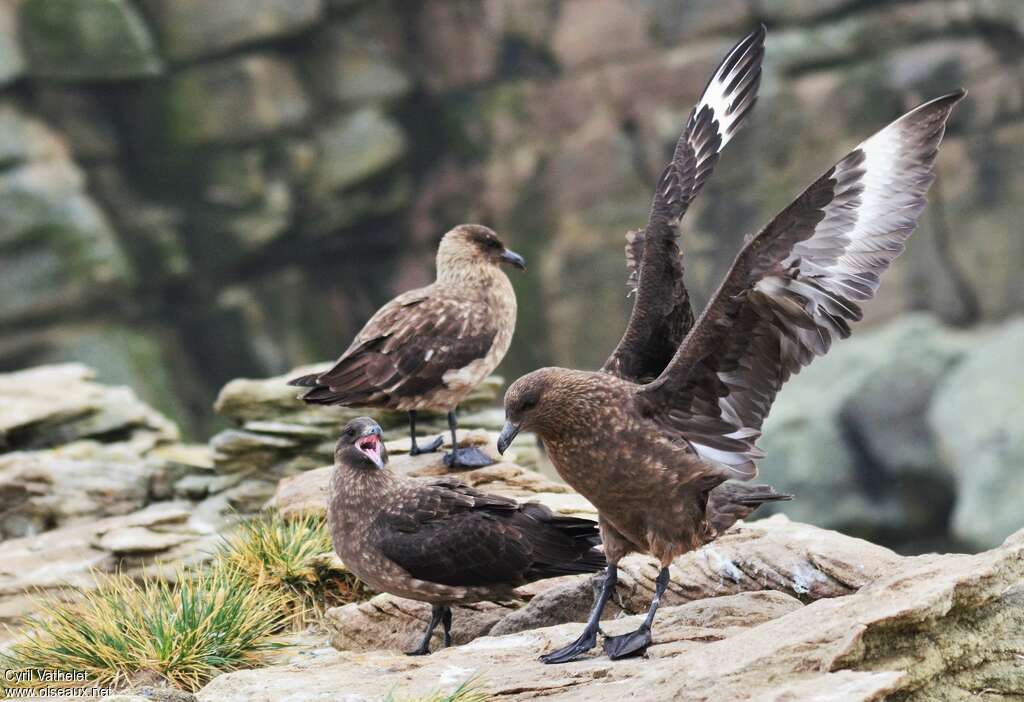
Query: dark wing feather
{"type": "Point", "coordinates": [447, 532]}
{"type": "Point", "coordinates": [794, 287]}
{"type": "Point", "coordinates": [405, 350]}
{"type": "Point", "coordinates": [661, 313]}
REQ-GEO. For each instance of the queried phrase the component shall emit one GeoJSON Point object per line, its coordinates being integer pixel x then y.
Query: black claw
{"type": "Point", "coordinates": [429, 448]}
{"type": "Point", "coordinates": [634, 643]}
{"type": "Point", "coordinates": [577, 648]}
{"type": "Point", "coordinates": [470, 457]}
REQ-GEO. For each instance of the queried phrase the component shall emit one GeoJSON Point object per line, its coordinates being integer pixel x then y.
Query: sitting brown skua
{"type": "Point", "coordinates": [678, 407]}
{"type": "Point", "coordinates": [428, 348]}
{"type": "Point", "coordinates": [440, 541]}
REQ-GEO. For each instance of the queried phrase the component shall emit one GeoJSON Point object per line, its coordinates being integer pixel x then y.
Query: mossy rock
{"type": "Point", "coordinates": [59, 251]}
{"type": "Point", "coordinates": [234, 100]}
{"type": "Point", "coordinates": [354, 148]}
{"type": "Point", "coordinates": [87, 40]}
{"type": "Point", "coordinates": [193, 28]}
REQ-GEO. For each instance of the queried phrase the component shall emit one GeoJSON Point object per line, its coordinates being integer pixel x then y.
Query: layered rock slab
{"type": "Point", "coordinates": [927, 628]}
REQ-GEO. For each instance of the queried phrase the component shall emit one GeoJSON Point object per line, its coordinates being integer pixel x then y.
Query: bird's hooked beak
{"type": "Point", "coordinates": [371, 445]}
{"type": "Point", "coordinates": [513, 259]}
{"type": "Point", "coordinates": [508, 433]}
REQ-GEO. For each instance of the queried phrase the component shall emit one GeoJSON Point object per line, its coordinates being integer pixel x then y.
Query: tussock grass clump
{"type": "Point", "coordinates": [268, 575]}
{"type": "Point", "coordinates": [469, 691]}
{"type": "Point", "coordinates": [295, 557]}
{"type": "Point", "coordinates": [186, 631]}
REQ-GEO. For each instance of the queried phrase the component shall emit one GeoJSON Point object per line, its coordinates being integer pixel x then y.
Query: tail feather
{"type": "Point", "coordinates": [305, 381]}
{"type": "Point", "coordinates": [730, 502]}
{"type": "Point", "coordinates": [562, 545]}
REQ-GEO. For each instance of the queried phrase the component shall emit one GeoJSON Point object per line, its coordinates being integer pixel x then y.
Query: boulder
{"type": "Point", "coordinates": [80, 40]}
{"type": "Point", "coordinates": [351, 65]}
{"type": "Point", "coordinates": [235, 99]}
{"type": "Point", "coordinates": [49, 406]}
{"type": "Point", "coordinates": [850, 431]}
{"type": "Point", "coordinates": [73, 484]}
{"type": "Point", "coordinates": [226, 23]}
{"type": "Point", "coordinates": [926, 628]}
{"type": "Point", "coordinates": [978, 419]}
{"type": "Point", "coordinates": [353, 148]}
{"type": "Point", "coordinates": [59, 250]}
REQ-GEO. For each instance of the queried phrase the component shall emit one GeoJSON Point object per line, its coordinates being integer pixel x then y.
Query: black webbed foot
{"type": "Point", "coordinates": [433, 446]}
{"type": "Point", "coordinates": [470, 457]}
{"type": "Point", "coordinates": [586, 641]}
{"type": "Point", "coordinates": [421, 651]}
{"type": "Point", "coordinates": [634, 643]}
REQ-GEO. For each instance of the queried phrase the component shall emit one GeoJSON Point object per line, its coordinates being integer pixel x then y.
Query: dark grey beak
{"type": "Point", "coordinates": [513, 259]}
{"type": "Point", "coordinates": [508, 433]}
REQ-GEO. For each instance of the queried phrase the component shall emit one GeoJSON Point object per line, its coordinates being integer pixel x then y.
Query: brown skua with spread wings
{"type": "Point", "coordinates": [678, 407]}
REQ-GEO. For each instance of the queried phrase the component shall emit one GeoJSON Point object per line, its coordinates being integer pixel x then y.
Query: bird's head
{"type": "Point", "coordinates": [361, 445]}
{"type": "Point", "coordinates": [472, 246]}
{"type": "Point", "coordinates": [549, 402]}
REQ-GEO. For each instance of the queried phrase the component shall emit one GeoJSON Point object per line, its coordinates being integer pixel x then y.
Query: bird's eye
{"type": "Point", "coordinates": [493, 244]}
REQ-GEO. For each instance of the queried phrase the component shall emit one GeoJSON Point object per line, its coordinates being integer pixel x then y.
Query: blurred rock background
{"type": "Point", "coordinates": [194, 191]}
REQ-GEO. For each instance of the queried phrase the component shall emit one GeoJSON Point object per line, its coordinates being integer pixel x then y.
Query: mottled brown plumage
{"type": "Point", "coordinates": [652, 438]}
{"type": "Point", "coordinates": [440, 541]}
{"type": "Point", "coordinates": [428, 348]}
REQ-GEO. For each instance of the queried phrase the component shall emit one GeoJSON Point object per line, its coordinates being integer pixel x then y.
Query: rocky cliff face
{"type": "Point", "coordinates": [195, 191]}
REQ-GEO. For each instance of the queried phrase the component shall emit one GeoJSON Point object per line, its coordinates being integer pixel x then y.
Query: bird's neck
{"type": "Point", "coordinates": [471, 275]}
{"type": "Point", "coordinates": [357, 493]}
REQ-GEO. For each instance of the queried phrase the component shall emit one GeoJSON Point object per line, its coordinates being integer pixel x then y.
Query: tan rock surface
{"type": "Point", "coordinates": [927, 628]}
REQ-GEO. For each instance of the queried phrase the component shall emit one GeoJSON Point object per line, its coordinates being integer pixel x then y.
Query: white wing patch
{"type": "Point", "coordinates": [725, 94]}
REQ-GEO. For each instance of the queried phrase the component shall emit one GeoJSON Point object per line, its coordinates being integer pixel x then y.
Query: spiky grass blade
{"type": "Point", "coordinates": [292, 555]}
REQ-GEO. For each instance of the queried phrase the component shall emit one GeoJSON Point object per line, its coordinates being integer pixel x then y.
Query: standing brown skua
{"type": "Point", "coordinates": [428, 348]}
{"type": "Point", "coordinates": [678, 407]}
{"type": "Point", "coordinates": [440, 541]}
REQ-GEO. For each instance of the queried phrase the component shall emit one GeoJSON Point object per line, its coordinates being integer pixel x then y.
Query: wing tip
{"type": "Point", "coordinates": [305, 381]}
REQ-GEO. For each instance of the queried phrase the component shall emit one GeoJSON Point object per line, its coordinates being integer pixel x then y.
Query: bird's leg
{"type": "Point", "coordinates": [636, 642]}
{"type": "Point", "coordinates": [469, 457]}
{"type": "Point", "coordinates": [416, 450]}
{"type": "Point", "coordinates": [446, 622]}
{"type": "Point", "coordinates": [588, 639]}
{"type": "Point", "coordinates": [436, 615]}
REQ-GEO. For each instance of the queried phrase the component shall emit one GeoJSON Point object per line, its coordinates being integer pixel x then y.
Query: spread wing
{"type": "Point", "coordinates": [661, 313]}
{"type": "Point", "coordinates": [796, 286]}
{"type": "Point", "coordinates": [405, 349]}
{"type": "Point", "coordinates": [446, 532]}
